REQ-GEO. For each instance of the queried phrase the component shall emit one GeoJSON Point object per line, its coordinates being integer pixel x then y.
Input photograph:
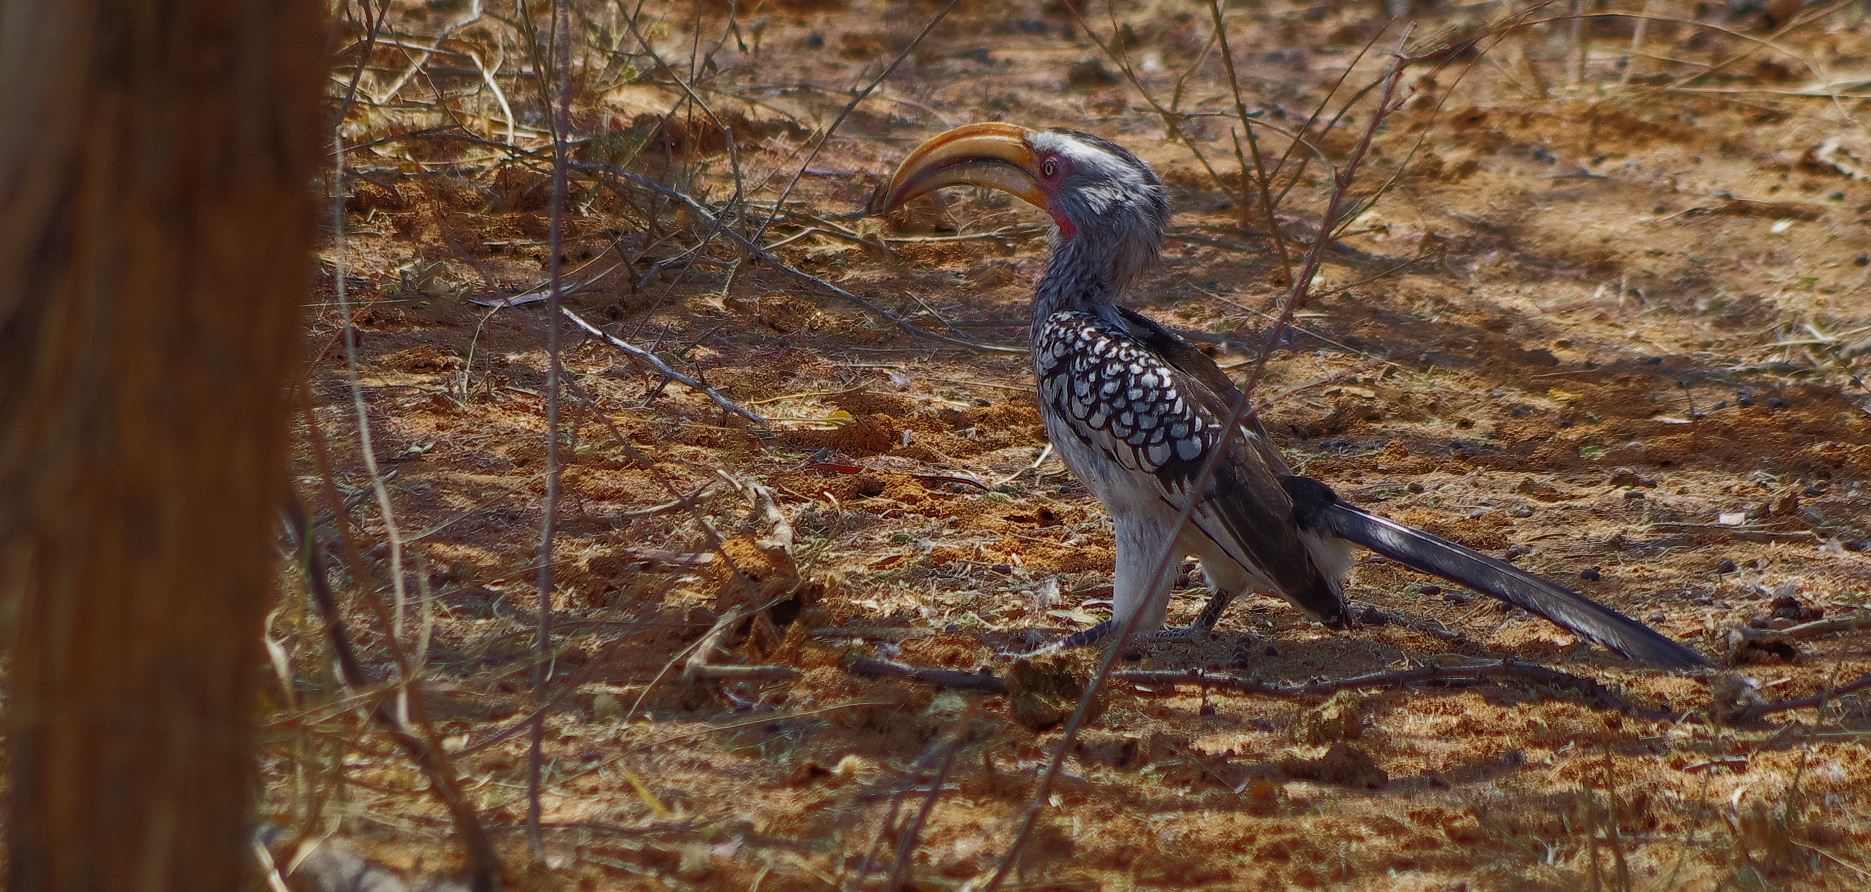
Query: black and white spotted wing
{"type": "Point", "coordinates": [1128, 403]}
{"type": "Point", "coordinates": [1123, 400]}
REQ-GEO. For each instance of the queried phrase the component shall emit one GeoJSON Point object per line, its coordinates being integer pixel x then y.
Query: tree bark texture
{"type": "Point", "coordinates": [156, 215]}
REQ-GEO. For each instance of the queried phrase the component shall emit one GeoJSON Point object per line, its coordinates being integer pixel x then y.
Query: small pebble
{"type": "Point", "coordinates": [1726, 566]}
{"type": "Point", "coordinates": [1634, 494]}
{"type": "Point", "coordinates": [1590, 574]}
{"type": "Point", "coordinates": [1415, 487]}
{"type": "Point", "coordinates": [1523, 511]}
{"type": "Point", "coordinates": [1517, 551]}
{"type": "Point", "coordinates": [1774, 402]}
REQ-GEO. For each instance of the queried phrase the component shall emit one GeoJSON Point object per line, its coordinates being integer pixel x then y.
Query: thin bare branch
{"type": "Point", "coordinates": [542, 645]}
{"type": "Point", "coordinates": [1341, 186]}
{"type": "Point", "coordinates": [1159, 680]}
{"type": "Point", "coordinates": [349, 329]}
{"type": "Point", "coordinates": [1433, 676]}
{"type": "Point", "coordinates": [664, 368]}
{"type": "Point", "coordinates": [906, 844]}
{"type": "Point", "coordinates": [1753, 711]}
{"type": "Point", "coordinates": [421, 746]}
{"type": "Point", "coordinates": [1259, 169]}
{"type": "Point", "coordinates": [904, 786]}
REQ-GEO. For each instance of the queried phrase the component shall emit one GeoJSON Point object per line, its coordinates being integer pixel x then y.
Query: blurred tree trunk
{"type": "Point", "coordinates": [155, 218]}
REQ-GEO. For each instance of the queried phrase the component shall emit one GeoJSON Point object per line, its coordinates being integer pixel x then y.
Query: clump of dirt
{"type": "Point", "coordinates": [1044, 691]}
{"type": "Point", "coordinates": [1340, 718]}
{"type": "Point", "coordinates": [1341, 763]}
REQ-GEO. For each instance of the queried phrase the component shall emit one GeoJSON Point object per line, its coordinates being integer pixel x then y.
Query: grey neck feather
{"type": "Point", "coordinates": [1092, 271]}
{"type": "Point", "coordinates": [1075, 280]}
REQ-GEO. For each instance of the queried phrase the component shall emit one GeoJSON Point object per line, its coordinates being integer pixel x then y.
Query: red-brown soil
{"type": "Point", "coordinates": [1619, 320]}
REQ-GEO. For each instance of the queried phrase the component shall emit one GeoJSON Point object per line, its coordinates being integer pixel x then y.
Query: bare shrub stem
{"type": "Point", "coordinates": [542, 646]}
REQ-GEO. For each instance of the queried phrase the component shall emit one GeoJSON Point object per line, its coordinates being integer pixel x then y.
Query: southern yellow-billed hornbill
{"type": "Point", "coordinates": [1134, 411]}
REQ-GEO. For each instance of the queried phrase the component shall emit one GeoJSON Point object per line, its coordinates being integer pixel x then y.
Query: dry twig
{"type": "Point", "coordinates": [1491, 671]}
{"type": "Point", "coordinates": [542, 645]}
{"type": "Point", "coordinates": [423, 748]}
{"type": "Point", "coordinates": [1815, 629]}
{"type": "Point", "coordinates": [1753, 711]}
{"type": "Point", "coordinates": [420, 744]}
{"type": "Point", "coordinates": [663, 368]}
{"type": "Point", "coordinates": [1259, 169]}
{"type": "Point", "coordinates": [1432, 676]}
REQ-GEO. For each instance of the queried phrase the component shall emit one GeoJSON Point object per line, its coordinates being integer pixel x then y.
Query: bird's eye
{"type": "Point", "coordinates": [1049, 169]}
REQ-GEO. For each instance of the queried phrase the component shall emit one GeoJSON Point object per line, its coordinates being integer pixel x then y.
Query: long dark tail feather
{"type": "Point", "coordinates": [1465, 566]}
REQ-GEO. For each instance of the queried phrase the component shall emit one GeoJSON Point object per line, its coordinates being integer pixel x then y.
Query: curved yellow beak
{"type": "Point", "coordinates": [993, 155]}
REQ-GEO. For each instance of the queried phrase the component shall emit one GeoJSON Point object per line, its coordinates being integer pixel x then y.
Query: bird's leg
{"type": "Point", "coordinates": [1205, 623]}
{"type": "Point", "coordinates": [1228, 580]}
{"type": "Point", "coordinates": [1134, 586]}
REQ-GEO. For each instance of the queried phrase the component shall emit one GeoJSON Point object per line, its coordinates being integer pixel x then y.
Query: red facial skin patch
{"type": "Point", "coordinates": [1066, 229]}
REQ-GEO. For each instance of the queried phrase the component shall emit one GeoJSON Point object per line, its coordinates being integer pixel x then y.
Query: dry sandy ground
{"type": "Point", "coordinates": [1608, 321]}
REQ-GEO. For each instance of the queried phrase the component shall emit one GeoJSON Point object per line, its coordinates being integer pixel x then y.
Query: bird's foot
{"type": "Point", "coordinates": [1190, 633]}
{"type": "Point", "coordinates": [1098, 633]}
{"type": "Point", "coordinates": [1081, 638]}
{"type": "Point", "coordinates": [1204, 624]}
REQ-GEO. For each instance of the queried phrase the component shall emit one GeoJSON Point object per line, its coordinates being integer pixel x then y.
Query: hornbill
{"type": "Point", "coordinates": [1134, 411]}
